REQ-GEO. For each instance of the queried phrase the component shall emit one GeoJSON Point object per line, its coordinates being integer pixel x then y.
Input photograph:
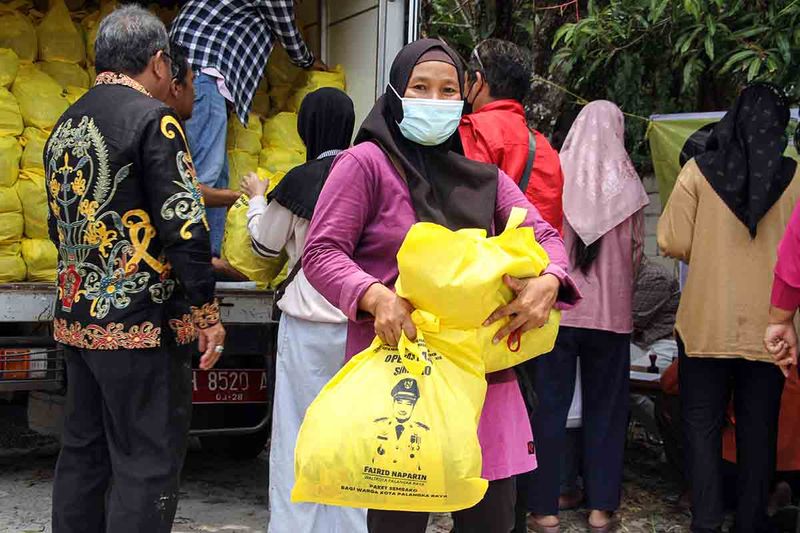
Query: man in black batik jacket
{"type": "Point", "coordinates": [135, 287]}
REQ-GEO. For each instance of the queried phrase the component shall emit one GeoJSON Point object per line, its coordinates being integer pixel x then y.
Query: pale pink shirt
{"type": "Point", "coordinates": [361, 219]}
{"type": "Point", "coordinates": [607, 287]}
{"type": "Point", "coordinates": [221, 87]}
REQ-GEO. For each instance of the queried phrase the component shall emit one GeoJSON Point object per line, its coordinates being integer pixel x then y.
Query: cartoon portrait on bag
{"type": "Point", "coordinates": [399, 435]}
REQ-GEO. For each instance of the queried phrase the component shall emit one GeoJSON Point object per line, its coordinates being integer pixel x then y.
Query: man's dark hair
{"type": "Point", "coordinates": [127, 39]}
{"type": "Point", "coordinates": [180, 62]}
{"type": "Point", "coordinates": [506, 66]}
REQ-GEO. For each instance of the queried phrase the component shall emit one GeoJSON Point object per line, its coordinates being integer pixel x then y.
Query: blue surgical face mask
{"type": "Point", "coordinates": [429, 122]}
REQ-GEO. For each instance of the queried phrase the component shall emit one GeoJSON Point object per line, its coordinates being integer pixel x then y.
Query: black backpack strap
{"type": "Point", "coordinates": [526, 175]}
{"type": "Point", "coordinates": [280, 290]}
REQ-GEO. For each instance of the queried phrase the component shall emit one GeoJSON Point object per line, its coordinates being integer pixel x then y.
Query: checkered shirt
{"type": "Point", "coordinates": [236, 38]}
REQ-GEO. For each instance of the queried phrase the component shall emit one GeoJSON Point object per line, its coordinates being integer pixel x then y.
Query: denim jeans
{"type": "Point", "coordinates": [206, 132]}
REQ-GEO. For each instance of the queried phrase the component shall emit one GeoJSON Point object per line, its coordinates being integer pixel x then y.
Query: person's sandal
{"type": "Point", "coordinates": [608, 527]}
{"type": "Point", "coordinates": [535, 526]}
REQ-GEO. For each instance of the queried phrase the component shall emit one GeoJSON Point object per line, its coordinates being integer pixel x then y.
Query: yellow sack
{"type": "Point", "coordinates": [237, 248]}
{"type": "Point", "coordinates": [279, 97]}
{"type": "Point", "coordinates": [11, 221]}
{"type": "Point", "coordinates": [348, 450]}
{"type": "Point", "coordinates": [59, 37]}
{"type": "Point", "coordinates": [73, 94]}
{"type": "Point", "coordinates": [317, 80]}
{"type": "Point", "coordinates": [39, 97]}
{"type": "Point", "coordinates": [280, 69]}
{"type": "Point", "coordinates": [10, 153]}
{"type": "Point", "coordinates": [277, 160]}
{"type": "Point", "coordinates": [458, 277]}
{"type": "Point", "coordinates": [9, 64]}
{"type": "Point", "coordinates": [12, 267]}
{"type": "Point", "coordinates": [32, 195]}
{"type": "Point", "coordinates": [10, 116]}
{"type": "Point", "coordinates": [33, 141]}
{"type": "Point", "coordinates": [66, 74]}
{"type": "Point", "coordinates": [261, 104]}
{"type": "Point", "coordinates": [17, 33]}
{"type": "Point", "coordinates": [247, 139]}
{"type": "Point", "coordinates": [280, 131]}
{"type": "Point", "coordinates": [91, 22]}
{"type": "Point", "coordinates": [240, 164]}
{"type": "Point", "coordinates": [41, 257]}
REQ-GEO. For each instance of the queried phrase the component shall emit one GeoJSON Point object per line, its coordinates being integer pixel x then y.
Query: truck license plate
{"type": "Point", "coordinates": [229, 386]}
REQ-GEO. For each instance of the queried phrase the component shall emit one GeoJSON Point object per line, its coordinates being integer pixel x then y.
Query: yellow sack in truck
{"type": "Point", "coordinates": [17, 33]}
{"type": "Point", "coordinates": [12, 267]}
{"type": "Point", "coordinates": [240, 164]}
{"type": "Point", "coordinates": [73, 94]}
{"type": "Point", "coordinates": [33, 141]}
{"type": "Point", "coordinates": [280, 69]}
{"type": "Point", "coordinates": [317, 80]}
{"type": "Point", "coordinates": [32, 195]}
{"type": "Point", "coordinates": [10, 116]}
{"type": "Point", "coordinates": [59, 38]}
{"type": "Point", "coordinates": [247, 139]}
{"type": "Point", "coordinates": [277, 160]}
{"type": "Point", "coordinates": [10, 153]}
{"type": "Point", "coordinates": [11, 222]}
{"type": "Point", "coordinates": [280, 131]}
{"type": "Point", "coordinates": [9, 64]}
{"type": "Point", "coordinates": [261, 104]}
{"type": "Point", "coordinates": [458, 277]}
{"type": "Point", "coordinates": [237, 248]}
{"type": "Point", "coordinates": [39, 97]}
{"type": "Point", "coordinates": [41, 257]}
{"type": "Point", "coordinates": [396, 429]}
{"type": "Point", "coordinates": [66, 74]}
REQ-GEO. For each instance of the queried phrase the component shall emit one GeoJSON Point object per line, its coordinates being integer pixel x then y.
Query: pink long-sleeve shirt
{"type": "Point", "coordinates": [361, 219]}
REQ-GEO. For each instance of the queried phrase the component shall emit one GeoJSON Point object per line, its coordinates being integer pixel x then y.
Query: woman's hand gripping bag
{"type": "Point", "coordinates": [396, 429]}
{"type": "Point", "coordinates": [458, 277]}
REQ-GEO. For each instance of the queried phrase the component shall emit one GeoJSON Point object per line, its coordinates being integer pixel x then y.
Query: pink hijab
{"type": "Point", "coordinates": [601, 186]}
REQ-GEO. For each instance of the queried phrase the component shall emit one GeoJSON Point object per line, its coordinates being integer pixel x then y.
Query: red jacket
{"type": "Point", "coordinates": [498, 134]}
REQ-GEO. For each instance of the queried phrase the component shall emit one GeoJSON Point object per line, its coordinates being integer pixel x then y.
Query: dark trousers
{"type": "Point", "coordinates": [706, 385]}
{"type": "Point", "coordinates": [605, 376]}
{"type": "Point", "coordinates": [493, 514]}
{"type": "Point", "coordinates": [125, 432]}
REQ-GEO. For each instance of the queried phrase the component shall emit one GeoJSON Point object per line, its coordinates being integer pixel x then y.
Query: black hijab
{"type": "Point", "coordinates": [744, 161]}
{"type": "Point", "coordinates": [325, 123]}
{"type": "Point", "coordinates": [446, 188]}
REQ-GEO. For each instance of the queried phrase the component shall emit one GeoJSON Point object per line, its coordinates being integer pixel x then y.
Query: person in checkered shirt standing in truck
{"type": "Point", "coordinates": [228, 43]}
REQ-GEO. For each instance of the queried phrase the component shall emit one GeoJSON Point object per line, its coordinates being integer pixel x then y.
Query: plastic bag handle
{"type": "Point", "coordinates": [516, 218]}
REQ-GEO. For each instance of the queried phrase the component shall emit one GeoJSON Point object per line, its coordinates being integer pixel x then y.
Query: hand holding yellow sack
{"type": "Point", "coordinates": [396, 429]}
{"type": "Point", "coordinates": [458, 277]}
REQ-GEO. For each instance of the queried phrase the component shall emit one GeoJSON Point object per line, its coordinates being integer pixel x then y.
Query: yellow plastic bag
{"type": "Point", "coordinates": [10, 153]}
{"type": "Point", "coordinates": [17, 33]}
{"type": "Point", "coordinates": [9, 64]}
{"type": "Point", "coordinates": [317, 80]}
{"type": "Point", "coordinates": [10, 116]}
{"type": "Point", "coordinates": [237, 248]}
{"type": "Point", "coordinates": [261, 104]}
{"type": "Point", "coordinates": [66, 74]}
{"type": "Point", "coordinates": [41, 258]}
{"type": "Point", "coordinates": [280, 69]}
{"type": "Point", "coordinates": [12, 267]}
{"type": "Point", "coordinates": [59, 37]}
{"type": "Point", "coordinates": [33, 141]}
{"type": "Point", "coordinates": [91, 22]}
{"type": "Point", "coordinates": [39, 97]}
{"type": "Point", "coordinates": [277, 160]}
{"type": "Point", "coordinates": [11, 221]}
{"type": "Point", "coordinates": [245, 139]}
{"type": "Point", "coordinates": [240, 164]}
{"type": "Point", "coordinates": [73, 94]}
{"type": "Point", "coordinates": [396, 429]}
{"type": "Point", "coordinates": [32, 195]}
{"type": "Point", "coordinates": [280, 131]}
{"type": "Point", "coordinates": [458, 277]}
{"type": "Point", "coordinates": [279, 97]}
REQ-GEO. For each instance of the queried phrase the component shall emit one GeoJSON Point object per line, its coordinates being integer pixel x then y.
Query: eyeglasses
{"type": "Point", "coordinates": [478, 57]}
{"type": "Point", "coordinates": [173, 67]}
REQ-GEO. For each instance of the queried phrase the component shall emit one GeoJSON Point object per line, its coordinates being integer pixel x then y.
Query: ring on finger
{"type": "Point", "coordinates": [219, 348]}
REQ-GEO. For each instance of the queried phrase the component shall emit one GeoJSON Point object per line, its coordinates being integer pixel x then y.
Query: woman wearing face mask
{"type": "Point", "coordinates": [404, 169]}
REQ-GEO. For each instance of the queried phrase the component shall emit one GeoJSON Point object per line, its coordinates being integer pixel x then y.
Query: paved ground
{"type": "Point", "coordinates": [219, 495]}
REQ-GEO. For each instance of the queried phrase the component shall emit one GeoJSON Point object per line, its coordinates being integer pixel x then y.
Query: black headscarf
{"type": "Point", "coordinates": [325, 122]}
{"type": "Point", "coordinates": [744, 161]}
{"type": "Point", "coordinates": [446, 188]}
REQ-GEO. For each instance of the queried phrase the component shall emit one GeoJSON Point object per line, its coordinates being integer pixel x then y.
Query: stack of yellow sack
{"type": "Point", "coordinates": [90, 24]}
{"type": "Point", "coordinates": [281, 75]}
{"type": "Point", "coordinates": [282, 147]}
{"type": "Point", "coordinates": [39, 96]}
{"type": "Point", "coordinates": [261, 104]}
{"type": "Point", "coordinates": [237, 247]}
{"type": "Point", "coordinates": [312, 81]}
{"type": "Point", "coordinates": [17, 33]}
{"type": "Point", "coordinates": [62, 49]}
{"type": "Point", "coordinates": [244, 144]}
{"type": "Point", "coordinates": [12, 267]}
